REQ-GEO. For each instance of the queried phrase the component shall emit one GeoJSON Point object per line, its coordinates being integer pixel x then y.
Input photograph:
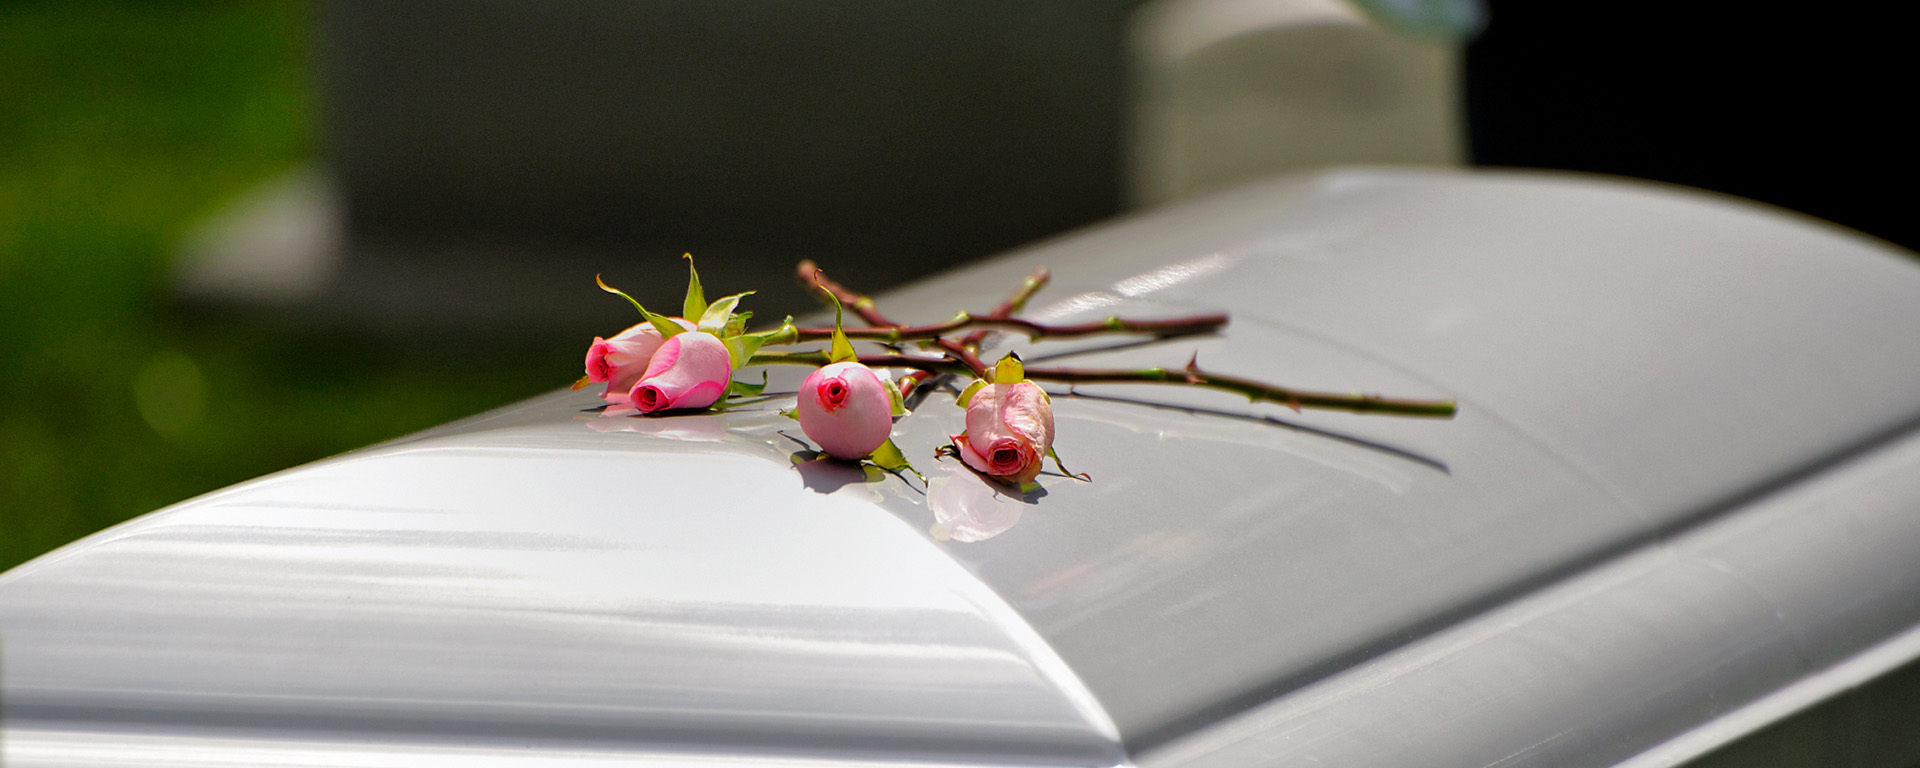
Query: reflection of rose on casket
{"type": "Point", "coordinates": [967, 507]}
{"type": "Point", "coordinates": [701, 428]}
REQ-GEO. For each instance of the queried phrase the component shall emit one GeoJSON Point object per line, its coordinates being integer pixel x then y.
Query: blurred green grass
{"type": "Point", "coordinates": [121, 125]}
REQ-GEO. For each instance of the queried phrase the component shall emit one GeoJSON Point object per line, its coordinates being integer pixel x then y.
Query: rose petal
{"type": "Point", "coordinates": [622, 360]}
{"type": "Point", "coordinates": [1009, 428]}
{"type": "Point", "coordinates": [690, 370]}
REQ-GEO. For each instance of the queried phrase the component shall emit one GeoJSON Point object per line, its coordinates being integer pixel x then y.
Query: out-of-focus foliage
{"type": "Point", "coordinates": [120, 126]}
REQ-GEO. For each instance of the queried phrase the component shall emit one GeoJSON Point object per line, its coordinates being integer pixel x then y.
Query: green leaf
{"type": "Point", "coordinates": [793, 414]}
{"type": "Point", "coordinates": [1009, 370]}
{"type": "Point", "coordinates": [842, 349]}
{"type": "Point", "coordinates": [741, 348]}
{"type": "Point", "coordinates": [1055, 455]}
{"type": "Point", "coordinates": [667, 328]}
{"type": "Point", "coordinates": [889, 457]}
{"type": "Point", "coordinates": [893, 393]}
{"type": "Point", "coordinates": [741, 393]}
{"type": "Point", "coordinates": [966, 395]}
{"type": "Point", "coordinates": [619, 293]}
{"type": "Point", "coordinates": [738, 325]}
{"type": "Point", "coordinates": [720, 313]}
{"type": "Point", "coordinates": [696, 303]}
{"type": "Point", "coordinates": [748, 389]}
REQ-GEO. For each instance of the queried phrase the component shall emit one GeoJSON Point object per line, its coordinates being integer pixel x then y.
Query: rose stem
{"type": "Point", "coordinates": [1292, 398]}
{"type": "Point", "coordinates": [1018, 301]}
{"type": "Point", "coordinates": [1012, 306]}
{"type": "Point", "coordinates": [819, 357]}
{"type": "Point", "coordinates": [1181, 326]}
{"type": "Point", "coordinates": [1191, 376]}
{"type": "Point", "coordinates": [811, 275]}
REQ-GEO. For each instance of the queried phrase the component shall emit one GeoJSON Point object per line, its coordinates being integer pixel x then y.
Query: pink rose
{"type": "Point", "coordinates": [690, 370]}
{"type": "Point", "coordinates": [622, 360]}
{"type": "Point", "coordinates": [846, 409]}
{"type": "Point", "coordinates": [1009, 430]}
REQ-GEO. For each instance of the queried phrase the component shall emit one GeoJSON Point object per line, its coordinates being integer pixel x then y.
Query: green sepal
{"type": "Point", "coordinates": [696, 303]}
{"type": "Point", "coordinates": [749, 389]}
{"type": "Point", "coordinates": [893, 393]}
{"type": "Point", "coordinates": [785, 334]}
{"type": "Point", "coordinates": [966, 395]}
{"type": "Point", "coordinates": [741, 393]}
{"type": "Point", "coordinates": [720, 313]}
{"type": "Point", "coordinates": [793, 414]}
{"type": "Point", "coordinates": [667, 328]}
{"type": "Point", "coordinates": [889, 458]}
{"type": "Point", "coordinates": [842, 349]}
{"type": "Point", "coordinates": [1009, 370]}
{"type": "Point", "coordinates": [1055, 455]}
{"type": "Point", "coordinates": [740, 348]}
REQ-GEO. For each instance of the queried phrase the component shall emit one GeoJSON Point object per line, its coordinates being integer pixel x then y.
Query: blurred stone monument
{"type": "Point", "coordinates": [484, 160]}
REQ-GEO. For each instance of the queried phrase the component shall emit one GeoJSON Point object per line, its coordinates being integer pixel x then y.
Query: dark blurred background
{"type": "Point", "coordinates": [236, 237]}
{"type": "Point", "coordinates": [1804, 109]}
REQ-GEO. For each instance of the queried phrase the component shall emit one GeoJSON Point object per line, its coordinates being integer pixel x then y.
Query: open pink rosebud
{"type": "Point", "coordinates": [1009, 430]}
{"type": "Point", "coordinates": [690, 370]}
{"type": "Point", "coordinates": [622, 360]}
{"type": "Point", "coordinates": [845, 408]}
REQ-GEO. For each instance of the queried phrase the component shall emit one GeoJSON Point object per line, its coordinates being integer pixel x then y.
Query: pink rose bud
{"type": "Point", "coordinates": [622, 360]}
{"type": "Point", "coordinates": [846, 409]}
{"type": "Point", "coordinates": [690, 370]}
{"type": "Point", "coordinates": [1009, 430]}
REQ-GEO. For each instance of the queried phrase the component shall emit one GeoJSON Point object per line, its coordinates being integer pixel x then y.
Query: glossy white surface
{"type": "Point", "coordinates": [1630, 361]}
{"type": "Point", "coordinates": [1654, 659]}
{"type": "Point", "coordinates": [535, 583]}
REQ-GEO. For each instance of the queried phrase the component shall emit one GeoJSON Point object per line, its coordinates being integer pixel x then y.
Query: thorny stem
{"type": "Point", "coordinates": [1012, 306]}
{"type": "Point", "coordinates": [1254, 390]}
{"type": "Point", "coordinates": [813, 277]}
{"type": "Point", "coordinates": [862, 305]}
{"type": "Point", "coordinates": [971, 342]}
{"type": "Point", "coordinates": [1181, 326]}
{"type": "Point", "coordinates": [819, 358]}
{"type": "Point", "coordinates": [1190, 376]}
{"type": "Point", "coordinates": [961, 358]}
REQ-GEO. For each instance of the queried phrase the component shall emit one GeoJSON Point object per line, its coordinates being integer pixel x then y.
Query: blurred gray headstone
{"type": "Point", "coordinates": [488, 158]}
